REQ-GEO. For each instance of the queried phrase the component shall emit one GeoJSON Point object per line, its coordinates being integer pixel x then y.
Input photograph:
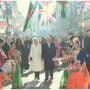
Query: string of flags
{"type": "Point", "coordinates": [4, 4]}
{"type": "Point", "coordinates": [85, 5]}
{"type": "Point", "coordinates": [47, 12]}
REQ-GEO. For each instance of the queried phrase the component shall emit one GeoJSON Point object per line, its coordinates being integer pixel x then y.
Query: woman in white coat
{"type": "Point", "coordinates": [35, 57]}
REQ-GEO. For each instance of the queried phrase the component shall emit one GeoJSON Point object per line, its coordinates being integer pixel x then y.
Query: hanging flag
{"type": "Point", "coordinates": [85, 5]}
{"type": "Point", "coordinates": [4, 4]}
{"type": "Point", "coordinates": [47, 12]}
{"type": "Point", "coordinates": [32, 8]}
{"type": "Point", "coordinates": [7, 3]}
{"type": "Point", "coordinates": [63, 5]}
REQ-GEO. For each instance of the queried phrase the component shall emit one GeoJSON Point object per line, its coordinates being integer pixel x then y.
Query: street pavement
{"type": "Point", "coordinates": [30, 83]}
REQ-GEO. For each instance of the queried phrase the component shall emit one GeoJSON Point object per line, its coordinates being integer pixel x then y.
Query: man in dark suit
{"type": "Point", "coordinates": [27, 45]}
{"type": "Point", "coordinates": [88, 52]}
{"type": "Point", "coordinates": [48, 53]}
{"type": "Point", "coordinates": [84, 40]}
{"type": "Point", "coordinates": [6, 46]}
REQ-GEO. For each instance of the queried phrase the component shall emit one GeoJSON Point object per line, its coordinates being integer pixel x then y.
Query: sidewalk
{"type": "Point", "coordinates": [29, 83]}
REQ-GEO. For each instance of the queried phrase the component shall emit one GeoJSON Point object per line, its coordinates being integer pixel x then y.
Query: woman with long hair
{"type": "Point", "coordinates": [13, 54]}
{"type": "Point", "coordinates": [20, 48]}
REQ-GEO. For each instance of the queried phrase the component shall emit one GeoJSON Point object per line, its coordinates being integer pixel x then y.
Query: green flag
{"type": "Point", "coordinates": [63, 10]}
{"type": "Point", "coordinates": [30, 14]}
{"type": "Point", "coordinates": [62, 5]}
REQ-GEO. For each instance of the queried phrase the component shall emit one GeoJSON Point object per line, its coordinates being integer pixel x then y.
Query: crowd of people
{"type": "Point", "coordinates": [45, 55]}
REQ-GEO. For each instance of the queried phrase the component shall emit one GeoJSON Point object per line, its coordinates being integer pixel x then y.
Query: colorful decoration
{"type": "Point", "coordinates": [4, 4]}
{"type": "Point", "coordinates": [30, 14]}
{"type": "Point", "coordinates": [85, 5]}
{"type": "Point", "coordinates": [83, 24]}
{"type": "Point", "coordinates": [47, 12]}
{"type": "Point", "coordinates": [63, 5]}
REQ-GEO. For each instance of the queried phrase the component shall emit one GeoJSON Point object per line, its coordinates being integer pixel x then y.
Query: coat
{"type": "Point", "coordinates": [6, 48]}
{"type": "Point", "coordinates": [85, 42]}
{"type": "Point", "coordinates": [35, 53]}
{"type": "Point", "coordinates": [87, 59]}
{"type": "Point", "coordinates": [48, 54]}
{"type": "Point", "coordinates": [27, 45]}
{"type": "Point", "coordinates": [21, 49]}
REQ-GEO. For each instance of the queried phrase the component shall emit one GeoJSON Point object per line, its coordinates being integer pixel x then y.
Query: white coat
{"type": "Point", "coordinates": [35, 53]}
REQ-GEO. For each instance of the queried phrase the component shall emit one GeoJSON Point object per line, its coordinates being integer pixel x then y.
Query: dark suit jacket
{"type": "Point", "coordinates": [87, 51]}
{"type": "Point", "coordinates": [6, 48]}
{"type": "Point", "coordinates": [88, 46]}
{"type": "Point", "coordinates": [27, 46]}
{"type": "Point", "coordinates": [48, 54]}
{"type": "Point", "coordinates": [85, 42]}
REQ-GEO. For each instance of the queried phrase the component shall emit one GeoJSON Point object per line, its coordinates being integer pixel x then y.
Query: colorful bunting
{"type": "Point", "coordinates": [85, 5]}
{"type": "Point", "coordinates": [47, 12]}
{"type": "Point", "coordinates": [32, 8]}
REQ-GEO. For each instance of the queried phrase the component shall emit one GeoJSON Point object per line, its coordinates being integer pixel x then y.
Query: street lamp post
{"type": "Point", "coordinates": [83, 25]}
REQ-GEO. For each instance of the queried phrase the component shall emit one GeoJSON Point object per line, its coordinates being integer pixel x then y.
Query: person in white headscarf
{"type": "Point", "coordinates": [35, 57]}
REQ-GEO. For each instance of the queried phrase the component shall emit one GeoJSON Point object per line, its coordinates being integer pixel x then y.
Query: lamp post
{"type": "Point", "coordinates": [83, 25]}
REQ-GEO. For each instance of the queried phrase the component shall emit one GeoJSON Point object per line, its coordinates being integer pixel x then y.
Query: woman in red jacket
{"type": "Point", "coordinates": [2, 60]}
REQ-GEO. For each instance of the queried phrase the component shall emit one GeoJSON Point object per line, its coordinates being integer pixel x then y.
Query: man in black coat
{"type": "Point", "coordinates": [48, 53]}
{"type": "Point", "coordinates": [84, 40]}
{"type": "Point", "coordinates": [88, 53]}
{"type": "Point", "coordinates": [6, 46]}
{"type": "Point", "coordinates": [27, 46]}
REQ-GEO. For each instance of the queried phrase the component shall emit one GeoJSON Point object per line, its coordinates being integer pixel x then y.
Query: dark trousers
{"type": "Point", "coordinates": [87, 60]}
{"type": "Point", "coordinates": [26, 63]}
{"type": "Point", "coordinates": [21, 65]}
{"type": "Point", "coordinates": [49, 72]}
{"type": "Point", "coordinates": [37, 75]}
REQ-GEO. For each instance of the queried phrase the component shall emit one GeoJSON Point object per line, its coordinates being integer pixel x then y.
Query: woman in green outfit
{"type": "Point", "coordinates": [14, 55]}
{"type": "Point", "coordinates": [63, 81]}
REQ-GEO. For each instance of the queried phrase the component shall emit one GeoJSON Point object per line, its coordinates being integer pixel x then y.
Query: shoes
{"type": "Point", "coordinates": [35, 78]}
{"type": "Point", "coordinates": [51, 78]}
{"type": "Point", "coordinates": [38, 78]}
{"type": "Point", "coordinates": [46, 79]}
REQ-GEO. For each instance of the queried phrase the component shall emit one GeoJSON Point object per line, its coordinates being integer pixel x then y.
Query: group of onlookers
{"type": "Point", "coordinates": [41, 54]}
{"type": "Point", "coordinates": [18, 51]}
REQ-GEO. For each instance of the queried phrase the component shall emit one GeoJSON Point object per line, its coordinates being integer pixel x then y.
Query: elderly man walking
{"type": "Point", "coordinates": [48, 53]}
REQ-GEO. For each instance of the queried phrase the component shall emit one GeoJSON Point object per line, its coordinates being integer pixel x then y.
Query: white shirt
{"type": "Point", "coordinates": [48, 45]}
{"type": "Point", "coordinates": [83, 43]}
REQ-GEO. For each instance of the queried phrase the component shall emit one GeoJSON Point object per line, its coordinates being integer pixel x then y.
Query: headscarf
{"type": "Point", "coordinates": [35, 39]}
